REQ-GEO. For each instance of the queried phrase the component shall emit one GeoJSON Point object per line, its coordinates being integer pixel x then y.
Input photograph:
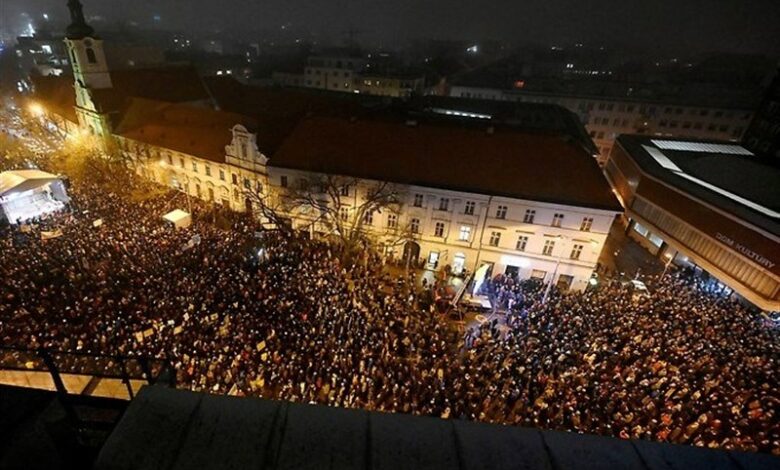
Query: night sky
{"type": "Point", "coordinates": [671, 25]}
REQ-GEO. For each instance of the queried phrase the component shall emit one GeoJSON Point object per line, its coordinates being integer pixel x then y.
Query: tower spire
{"type": "Point", "coordinates": [78, 27]}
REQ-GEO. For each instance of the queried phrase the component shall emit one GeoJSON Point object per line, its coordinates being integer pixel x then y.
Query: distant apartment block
{"type": "Point", "coordinates": [351, 74]}
{"type": "Point", "coordinates": [605, 118]}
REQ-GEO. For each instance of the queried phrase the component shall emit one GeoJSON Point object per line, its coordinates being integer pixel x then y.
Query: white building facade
{"type": "Point", "coordinates": [524, 238]}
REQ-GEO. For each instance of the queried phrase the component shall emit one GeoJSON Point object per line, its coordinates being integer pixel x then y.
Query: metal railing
{"type": "Point", "coordinates": [57, 363]}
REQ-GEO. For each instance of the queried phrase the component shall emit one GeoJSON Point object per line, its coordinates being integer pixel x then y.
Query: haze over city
{"type": "Point", "coordinates": [671, 26]}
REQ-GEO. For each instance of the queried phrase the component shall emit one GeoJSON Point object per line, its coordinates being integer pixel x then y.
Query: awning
{"type": "Point", "coordinates": [178, 218]}
{"type": "Point", "coordinates": [18, 181]}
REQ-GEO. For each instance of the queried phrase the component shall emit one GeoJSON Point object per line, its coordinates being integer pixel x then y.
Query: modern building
{"type": "Point", "coordinates": [524, 200]}
{"type": "Point", "coordinates": [711, 205]}
{"type": "Point", "coordinates": [763, 135]}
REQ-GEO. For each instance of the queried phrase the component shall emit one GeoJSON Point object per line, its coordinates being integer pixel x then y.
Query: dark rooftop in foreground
{"type": "Point", "coordinates": [174, 429]}
{"type": "Point", "coordinates": [725, 166]}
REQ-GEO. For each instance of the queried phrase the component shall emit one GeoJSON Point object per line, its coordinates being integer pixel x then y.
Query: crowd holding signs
{"type": "Point", "coordinates": [295, 324]}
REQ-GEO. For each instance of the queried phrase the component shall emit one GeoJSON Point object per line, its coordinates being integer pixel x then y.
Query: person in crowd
{"type": "Point", "coordinates": [299, 324]}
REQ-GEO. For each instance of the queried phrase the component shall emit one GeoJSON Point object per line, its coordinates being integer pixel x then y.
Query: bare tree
{"type": "Point", "coordinates": [269, 207]}
{"type": "Point", "coordinates": [341, 207]}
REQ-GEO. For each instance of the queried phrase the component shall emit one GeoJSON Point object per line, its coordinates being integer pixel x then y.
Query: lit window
{"type": "Point", "coordinates": [469, 210]}
{"type": "Point", "coordinates": [548, 247]}
{"type": "Point", "coordinates": [439, 229]}
{"type": "Point", "coordinates": [641, 229]}
{"type": "Point", "coordinates": [576, 251]}
{"type": "Point", "coordinates": [495, 238]}
{"type": "Point", "coordinates": [465, 233]}
{"type": "Point", "coordinates": [501, 212]}
{"type": "Point", "coordinates": [557, 219]}
{"type": "Point", "coordinates": [529, 216]}
{"type": "Point", "coordinates": [587, 223]}
{"type": "Point", "coordinates": [522, 241]}
{"type": "Point", "coordinates": [418, 200]}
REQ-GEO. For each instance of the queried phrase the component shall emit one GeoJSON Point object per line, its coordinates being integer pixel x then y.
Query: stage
{"type": "Point", "coordinates": [28, 194]}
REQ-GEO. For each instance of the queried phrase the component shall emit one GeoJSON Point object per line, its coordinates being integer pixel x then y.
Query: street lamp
{"type": "Point", "coordinates": [669, 257]}
{"type": "Point", "coordinates": [555, 272]}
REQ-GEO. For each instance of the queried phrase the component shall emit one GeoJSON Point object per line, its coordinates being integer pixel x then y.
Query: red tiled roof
{"type": "Point", "coordinates": [175, 84]}
{"type": "Point", "coordinates": [189, 129]}
{"type": "Point", "coordinates": [541, 167]}
{"type": "Point", "coordinates": [276, 110]}
{"type": "Point", "coordinates": [292, 130]}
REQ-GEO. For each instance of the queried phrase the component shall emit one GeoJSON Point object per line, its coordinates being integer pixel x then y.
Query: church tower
{"type": "Point", "coordinates": [90, 70]}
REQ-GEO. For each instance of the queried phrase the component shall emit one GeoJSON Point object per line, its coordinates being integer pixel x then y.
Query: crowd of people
{"type": "Point", "coordinates": [248, 312]}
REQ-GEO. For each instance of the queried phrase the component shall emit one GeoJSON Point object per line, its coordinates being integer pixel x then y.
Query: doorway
{"type": "Point", "coordinates": [458, 263]}
{"type": "Point", "coordinates": [433, 260]}
{"type": "Point", "coordinates": [564, 282]}
{"type": "Point", "coordinates": [411, 252]}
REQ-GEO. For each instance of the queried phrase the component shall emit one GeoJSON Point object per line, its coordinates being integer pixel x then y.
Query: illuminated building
{"type": "Point", "coordinates": [711, 205]}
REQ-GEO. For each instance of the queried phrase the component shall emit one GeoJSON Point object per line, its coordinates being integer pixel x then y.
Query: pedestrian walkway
{"type": "Point", "coordinates": [623, 255]}
{"type": "Point", "coordinates": [75, 384]}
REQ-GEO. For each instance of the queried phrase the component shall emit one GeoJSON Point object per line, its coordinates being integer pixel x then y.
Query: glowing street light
{"type": "Point", "coordinates": [36, 109]}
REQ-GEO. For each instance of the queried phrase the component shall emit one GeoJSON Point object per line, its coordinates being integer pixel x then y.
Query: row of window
{"type": "Point", "coordinates": [501, 212]}
{"type": "Point", "coordinates": [317, 72]}
{"type": "Point", "coordinates": [332, 63]}
{"type": "Point", "coordinates": [737, 131]}
{"type": "Point", "coordinates": [549, 245]}
{"type": "Point", "coordinates": [318, 83]}
{"type": "Point", "coordinates": [615, 122]}
{"type": "Point", "coordinates": [629, 108]}
{"type": "Point", "coordinates": [235, 179]}
{"type": "Point", "coordinates": [697, 126]}
{"type": "Point", "coordinates": [463, 235]}
{"type": "Point", "coordinates": [587, 106]}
